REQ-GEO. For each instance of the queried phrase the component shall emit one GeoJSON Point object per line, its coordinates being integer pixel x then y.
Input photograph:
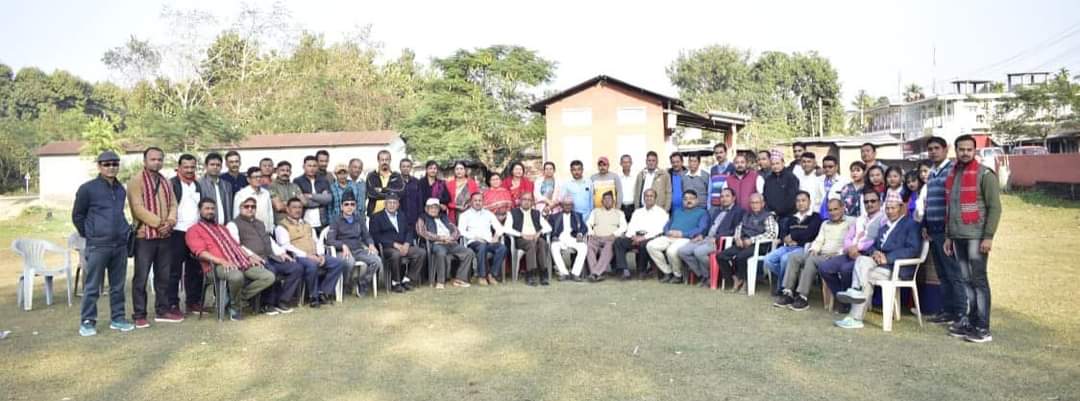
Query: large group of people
{"type": "Point", "coordinates": [280, 241]}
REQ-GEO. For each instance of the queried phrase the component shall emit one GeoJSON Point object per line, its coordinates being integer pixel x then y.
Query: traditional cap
{"type": "Point", "coordinates": [340, 167]}
{"type": "Point", "coordinates": [108, 156]}
{"type": "Point", "coordinates": [348, 196]}
{"type": "Point", "coordinates": [893, 197]}
{"type": "Point", "coordinates": [776, 154]}
{"type": "Point", "coordinates": [603, 159]}
{"type": "Point", "coordinates": [431, 201]}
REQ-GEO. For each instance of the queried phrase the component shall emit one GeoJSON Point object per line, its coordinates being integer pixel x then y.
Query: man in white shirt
{"type": "Point", "coordinates": [483, 234]}
{"type": "Point", "coordinates": [646, 224]}
{"type": "Point", "coordinates": [806, 172]}
{"type": "Point", "coordinates": [830, 184]}
{"type": "Point", "coordinates": [626, 178]}
{"type": "Point", "coordinates": [264, 209]}
{"type": "Point", "coordinates": [186, 189]}
{"type": "Point", "coordinates": [298, 238]}
{"type": "Point", "coordinates": [527, 226]}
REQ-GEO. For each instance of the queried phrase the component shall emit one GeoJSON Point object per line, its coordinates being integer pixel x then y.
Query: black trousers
{"type": "Point", "coordinates": [185, 267]}
{"type": "Point", "coordinates": [393, 260]}
{"type": "Point", "coordinates": [628, 211]}
{"type": "Point", "coordinates": [150, 254]}
{"type": "Point", "coordinates": [624, 245]}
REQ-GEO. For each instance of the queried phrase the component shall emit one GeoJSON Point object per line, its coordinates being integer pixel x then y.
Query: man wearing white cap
{"type": "Point", "coordinates": [897, 238]}
{"type": "Point", "coordinates": [443, 235]}
{"type": "Point", "coordinates": [781, 186]}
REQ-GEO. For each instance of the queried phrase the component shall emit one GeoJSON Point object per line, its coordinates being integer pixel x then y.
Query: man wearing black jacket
{"type": "Point", "coordinates": [796, 231]}
{"type": "Point", "coordinates": [317, 189]}
{"type": "Point", "coordinates": [98, 216]}
{"type": "Point", "coordinates": [185, 266]}
{"type": "Point", "coordinates": [389, 231]}
{"type": "Point", "coordinates": [382, 182]}
{"type": "Point", "coordinates": [780, 187]}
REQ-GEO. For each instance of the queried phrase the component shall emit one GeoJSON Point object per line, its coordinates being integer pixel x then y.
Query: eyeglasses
{"type": "Point", "coordinates": [348, 204]}
{"type": "Point", "coordinates": [110, 164]}
{"type": "Point", "coordinates": [248, 206]}
{"type": "Point", "coordinates": [870, 201]}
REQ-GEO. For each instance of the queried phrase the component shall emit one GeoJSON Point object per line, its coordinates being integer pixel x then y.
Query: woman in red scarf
{"type": "Point", "coordinates": [497, 198]}
{"type": "Point", "coordinates": [517, 183]}
{"type": "Point", "coordinates": [461, 187]}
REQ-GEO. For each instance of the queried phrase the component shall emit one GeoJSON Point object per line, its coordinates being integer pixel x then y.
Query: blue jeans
{"type": "Point", "coordinates": [498, 255]}
{"type": "Point", "coordinates": [286, 291]}
{"type": "Point", "coordinates": [333, 269]}
{"type": "Point", "coordinates": [953, 291]}
{"type": "Point", "coordinates": [973, 277]}
{"type": "Point", "coordinates": [99, 260]}
{"type": "Point", "coordinates": [776, 261]}
{"type": "Point", "coordinates": [836, 272]}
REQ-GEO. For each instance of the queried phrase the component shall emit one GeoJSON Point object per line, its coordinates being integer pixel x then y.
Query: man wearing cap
{"type": "Point", "coordinates": [568, 235]}
{"type": "Point", "coordinates": [350, 236]}
{"type": "Point", "coordinates": [264, 201]}
{"type": "Point", "coordinates": [98, 216]}
{"type": "Point", "coordinates": [153, 207]}
{"type": "Point", "coordinates": [898, 238]}
{"type": "Point", "coordinates": [443, 235]}
{"type": "Point", "coordinates": [253, 239]}
{"type": "Point", "coordinates": [298, 237]}
{"type": "Point", "coordinates": [604, 181]}
{"type": "Point", "coordinates": [389, 231]}
{"type": "Point", "coordinates": [781, 186]}
{"type": "Point", "coordinates": [338, 188]}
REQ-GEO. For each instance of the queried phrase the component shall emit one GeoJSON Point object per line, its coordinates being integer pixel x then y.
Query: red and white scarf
{"type": "Point", "coordinates": [150, 201]}
{"type": "Point", "coordinates": [230, 250]}
{"type": "Point", "coordinates": [969, 191]}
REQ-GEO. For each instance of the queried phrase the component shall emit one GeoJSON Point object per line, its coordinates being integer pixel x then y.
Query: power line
{"type": "Point", "coordinates": [1051, 41]}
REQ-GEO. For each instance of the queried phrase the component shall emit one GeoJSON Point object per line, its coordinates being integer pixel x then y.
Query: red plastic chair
{"type": "Point", "coordinates": [714, 268]}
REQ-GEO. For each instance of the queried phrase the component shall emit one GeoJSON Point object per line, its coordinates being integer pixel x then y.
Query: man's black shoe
{"type": "Point", "coordinates": [397, 288]}
{"type": "Point", "coordinates": [799, 304]}
{"type": "Point", "coordinates": [783, 301]}
{"type": "Point", "coordinates": [943, 318]}
{"type": "Point", "coordinates": [407, 286]}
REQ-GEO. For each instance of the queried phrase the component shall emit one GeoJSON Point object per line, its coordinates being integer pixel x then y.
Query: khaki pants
{"type": "Point", "coordinates": [866, 273]}
{"type": "Point", "coordinates": [665, 253]}
{"type": "Point", "coordinates": [243, 285]}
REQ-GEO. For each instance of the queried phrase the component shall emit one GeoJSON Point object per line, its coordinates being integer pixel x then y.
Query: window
{"type": "Point", "coordinates": [581, 117]}
{"type": "Point", "coordinates": [630, 115]}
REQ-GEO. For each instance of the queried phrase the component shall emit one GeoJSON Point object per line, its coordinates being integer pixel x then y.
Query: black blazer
{"type": "Point", "coordinates": [577, 225]}
{"type": "Point", "coordinates": [383, 232]}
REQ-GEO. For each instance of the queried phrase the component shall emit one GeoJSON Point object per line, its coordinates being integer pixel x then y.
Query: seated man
{"type": "Point", "coordinates": [568, 235]}
{"type": "Point", "coordinates": [528, 227]}
{"type": "Point", "coordinates": [604, 225]}
{"type": "Point", "coordinates": [249, 232]}
{"type": "Point", "coordinates": [299, 238]}
{"type": "Point", "coordinates": [898, 238]}
{"type": "Point", "coordinates": [802, 267]}
{"type": "Point", "coordinates": [836, 271]}
{"type": "Point", "coordinates": [758, 224]}
{"type": "Point", "coordinates": [443, 235]}
{"type": "Point", "coordinates": [688, 222]}
{"type": "Point", "coordinates": [216, 249]}
{"type": "Point", "coordinates": [646, 224]}
{"type": "Point", "coordinates": [350, 236]}
{"type": "Point", "coordinates": [796, 231]}
{"type": "Point", "coordinates": [695, 254]}
{"type": "Point", "coordinates": [483, 234]}
{"type": "Point", "coordinates": [389, 231]}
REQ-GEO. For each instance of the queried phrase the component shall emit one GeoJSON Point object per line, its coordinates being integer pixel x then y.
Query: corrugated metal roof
{"type": "Point", "coordinates": [292, 140]}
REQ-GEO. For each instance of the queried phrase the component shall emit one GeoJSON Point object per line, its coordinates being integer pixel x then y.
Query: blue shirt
{"type": "Point", "coordinates": [691, 222]}
{"type": "Point", "coordinates": [581, 192]}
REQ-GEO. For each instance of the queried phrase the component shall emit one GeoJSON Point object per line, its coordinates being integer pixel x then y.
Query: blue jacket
{"type": "Point", "coordinates": [577, 225]}
{"type": "Point", "coordinates": [905, 240]}
{"type": "Point", "coordinates": [383, 232]}
{"type": "Point", "coordinates": [98, 213]}
{"type": "Point", "coordinates": [680, 215]}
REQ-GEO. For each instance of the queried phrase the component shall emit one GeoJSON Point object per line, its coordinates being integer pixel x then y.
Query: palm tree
{"type": "Point", "coordinates": [913, 92]}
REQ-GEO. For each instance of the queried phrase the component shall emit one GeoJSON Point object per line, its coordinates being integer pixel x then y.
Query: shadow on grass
{"type": "Point", "coordinates": [1036, 197]}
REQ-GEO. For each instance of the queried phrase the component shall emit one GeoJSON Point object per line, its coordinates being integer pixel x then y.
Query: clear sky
{"type": "Point", "coordinates": [872, 44]}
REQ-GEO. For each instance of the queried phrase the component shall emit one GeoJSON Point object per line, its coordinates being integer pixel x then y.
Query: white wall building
{"type": "Point", "coordinates": [61, 169]}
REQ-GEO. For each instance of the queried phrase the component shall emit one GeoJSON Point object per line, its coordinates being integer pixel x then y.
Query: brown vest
{"type": "Point", "coordinates": [253, 236]}
{"type": "Point", "coordinates": [300, 235]}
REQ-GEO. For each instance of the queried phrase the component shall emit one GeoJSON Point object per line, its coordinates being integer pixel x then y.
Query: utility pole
{"type": "Point", "coordinates": [821, 119]}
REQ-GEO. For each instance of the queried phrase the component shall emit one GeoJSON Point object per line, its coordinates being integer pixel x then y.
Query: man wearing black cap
{"type": "Point", "coordinates": [98, 215]}
{"type": "Point", "coordinates": [395, 237]}
{"type": "Point", "coordinates": [350, 236]}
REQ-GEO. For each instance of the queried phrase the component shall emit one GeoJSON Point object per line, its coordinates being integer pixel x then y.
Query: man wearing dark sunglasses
{"type": "Point", "coordinates": [836, 271]}
{"type": "Point", "coordinates": [98, 216]}
{"type": "Point", "coordinates": [350, 236]}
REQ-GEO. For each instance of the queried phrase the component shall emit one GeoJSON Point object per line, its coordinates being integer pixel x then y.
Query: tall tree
{"type": "Point", "coordinates": [863, 102]}
{"type": "Point", "coordinates": [1037, 111]}
{"type": "Point", "coordinates": [913, 92]}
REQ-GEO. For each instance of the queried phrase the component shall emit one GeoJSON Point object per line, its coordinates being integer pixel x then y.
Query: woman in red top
{"type": "Point", "coordinates": [517, 183]}
{"type": "Point", "coordinates": [497, 198]}
{"type": "Point", "coordinates": [461, 187]}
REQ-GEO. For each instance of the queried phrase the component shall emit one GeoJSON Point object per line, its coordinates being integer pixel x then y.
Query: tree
{"type": "Point", "coordinates": [98, 136]}
{"type": "Point", "coordinates": [913, 92]}
{"type": "Point", "coordinates": [1037, 111]}
{"type": "Point", "coordinates": [478, 106]}
{"type": "Point", "coordinates": [863, 102]}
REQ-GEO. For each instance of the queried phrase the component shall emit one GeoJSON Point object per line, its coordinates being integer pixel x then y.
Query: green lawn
{"type": "Point", "coordinates": [610, 341]}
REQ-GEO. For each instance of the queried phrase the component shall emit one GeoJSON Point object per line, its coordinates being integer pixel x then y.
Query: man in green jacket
{"type": "Point", "coordinates": [973, 208]}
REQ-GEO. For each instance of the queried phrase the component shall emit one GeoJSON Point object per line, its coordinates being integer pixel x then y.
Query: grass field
{"type": "Point", "coordinates": [607, 341]}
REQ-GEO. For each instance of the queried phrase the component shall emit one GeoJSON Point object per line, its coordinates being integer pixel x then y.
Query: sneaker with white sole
{"type": "Point", "coordinates": [123, 325]}
{"type": "Point", "coordinates": [851, 296]}
{"type": "Point", "coordinates": [87, 329]}
{"type": "Point", "coordinates": [978, 335]}
{"type": "Point", "coordinates": [849, 323]}
{"type": "Point", "coordinates": [282, 309]}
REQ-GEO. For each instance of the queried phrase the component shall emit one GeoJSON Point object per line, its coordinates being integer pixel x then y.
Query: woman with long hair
{"type": "Point", "coordinates": [431, 186]}
{"type": "Point", "coordinates": [912, 195]}
{"type": "Point", "coordinates": [461, 187]}
{"type": "Point", "coordinates": [851, 195]}
{"type": "Point", "coordinates": [875, 178]}
{"type": "Point", "coordinates": [894, 183]}
{"type": "Point", "coordinates": [545, 190]}
{"type": "Point", "coordinates": [517, 183]}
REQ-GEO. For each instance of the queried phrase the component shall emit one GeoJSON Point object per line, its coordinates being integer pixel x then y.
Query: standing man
{"type": "Point", "coordinates": [339, 187]}
{"type": "Point", "coordinates": [953, 294]}
{"type": "Point", "coordinates": [381, 183]}
{"type": "Point", "coordinates": [626, 190]}
{"type": "Point", "coordinates": [868, 153]}
{"type": "Point", "coordinates": [780, 187]}
{"type": "Point", "coordinates": [696, 179]}
{"type": "Point", "coordinates": [764, 165]}
{"type": "Point", "coordinates": [604, 181]}
{"type": "Point", "coordinates": [185, 266]}
{"type": "Point", "coordinates": [266, 167]}
{"type": "Point", "coordinates": [412, 200]}
{"type": "Point", "coordinates": [646, 224]}
{"type": "Point", "coordinates": [676, 173]}
{"type": "Point", "coordinates": [526, 224]}
{"type": "Point", "coordinates": [213, 186]}
{"type": "Point", "coordinates": [356, 169]}
{"type": "Point", "coordinates": [718, 175]}
{"type": "Point", "coordinates": [349, 235]}
{"type": "Point", "coordinates": [568, 234]}
{"type": "Point", "coordinates": [436, 228]}
{"type": "Point", "coordinates": [687, 223]}
{"type": "Point", "coordinates": [153, 206]}
{"type": "Point", "coordinates": [797, 150]}
{"type": "Point", "coordinates": [322, 157]}
{"type": "Point", "coordinates": [830, 184]}
{"type": "Point", "coordinates": [236, 178]}
{"type": "Point", "coordinates": [745, 181]}
{"type": "Point", "coordinates": [483, 234]}
{"type": "Point", "coordinates": [973, 209]}
{"type": "Point", "coordinates": [264, 201]}
{"type": "Point", "coordinates": [809, 182]}
{"type": "Point", "coordinates": [604, 225]}
{"type": "Point", "coordinates": [251, 234]}
{"type": "Point", "coordinates": [317, 190]}
{"type": "Point", "coordinates": [389, 231]}
{"type": "Point", "coordinates": [655, 179]}
{"type": "Point", "coordinates": [281, 191]}
{"type": "Point", "coordinates": [98, 216]}
{"type": "Point", "coordinates": [298, 237]}
{"type": "Point", "coordinates": [218, 250]}
{"type": "Point", "coordinates": [578, 189]}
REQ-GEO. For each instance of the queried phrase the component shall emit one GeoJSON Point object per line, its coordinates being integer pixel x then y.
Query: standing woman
{"type": "Point", "coordinates": [545, 190]}
{"type": "Point", "coordinates": [497, 198]}
{"type": "Point", "coordinates": [431, 186]}
{"type": "Point", "coordinates": [875, 177]}
{"type": "Point", "coordinates": [517, 183]}
{"type": "Point", "coordinates": [460, 188]}
{"type": "Point", "coordinates": [913, 195]}
{"type": "Point", "coordinates": [851, 195]}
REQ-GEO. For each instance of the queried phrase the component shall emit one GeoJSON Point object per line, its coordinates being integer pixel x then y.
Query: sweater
{"type": "Point", "coordinates": [142, 215]}
{"type": "Point", "coordinates": [355, 235]}
{"type": "Point", "coordinates": [934, 217]}
{"type": "Point", "coordinates": [801, 230]}
{"type": "Point", "coordinates": [989, 204]}
{"type": "Point", "coordinates": [830, 237]}
{"type": "Point", "coordinates": [690, 222]}
{"type": "Point", "coordinates": [607, 222]}
{"type": "Point", "coordinates": [699, 183]}
{"type": "Point", "coordinates": [780, 191]}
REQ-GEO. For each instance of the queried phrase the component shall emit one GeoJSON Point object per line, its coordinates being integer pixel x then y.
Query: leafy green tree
{"type": "Point", "coordinates": [98, 136]}
{"type": "Point", "coordinates": [1037, 111]}
{"type": "Point", "coordinates": [863, 102]}
{"type": "Point", "coordinates": [913, 92]}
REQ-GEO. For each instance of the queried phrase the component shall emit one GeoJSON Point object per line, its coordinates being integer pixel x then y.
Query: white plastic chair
{"type": "Point", "coordinates": [78, 244]}
{"type": "Point", "coordinates": [890, 297]}
{"type": "Point", "coordinates": [339, 289]}
{"type": "Point", "coordinates": [33, 252]}
{"type": "Point", "coordinates": [752, 265]}
{"type": "Point", "coordinates": [515, 262]}
{"type": "Point", "coordinates": [341, 283]}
